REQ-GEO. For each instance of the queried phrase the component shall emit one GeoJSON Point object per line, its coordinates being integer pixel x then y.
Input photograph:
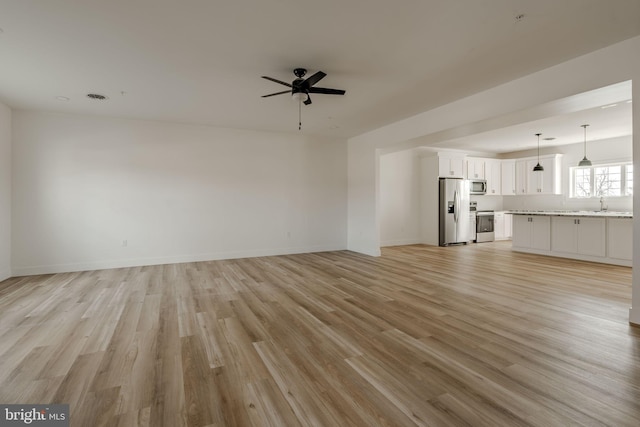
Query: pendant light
{"type": "Point", "coordinates": [585, 161]}
{"type": "Point", "coordinates": [538, 167]}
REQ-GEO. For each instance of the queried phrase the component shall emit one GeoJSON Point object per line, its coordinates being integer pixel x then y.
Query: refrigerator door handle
{"type": "Point", "coordinates": [456, 203]}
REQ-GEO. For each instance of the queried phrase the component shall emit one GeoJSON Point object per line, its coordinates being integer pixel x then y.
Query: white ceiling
{"type": "Point", "coordinates": [197, 61]}
{"type": "Point", "coordinates": [607, 111]}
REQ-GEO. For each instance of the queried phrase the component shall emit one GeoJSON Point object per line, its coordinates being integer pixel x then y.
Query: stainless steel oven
{"type": "Point", "coordinates": [484, 226]}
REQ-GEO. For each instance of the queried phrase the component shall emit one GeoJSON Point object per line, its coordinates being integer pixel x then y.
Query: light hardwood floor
{"type": "Point", "coordinates": [467, 335]}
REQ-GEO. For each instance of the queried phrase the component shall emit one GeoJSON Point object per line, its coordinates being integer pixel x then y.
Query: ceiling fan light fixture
{"type": "Point", "coordinates": [299, 96]}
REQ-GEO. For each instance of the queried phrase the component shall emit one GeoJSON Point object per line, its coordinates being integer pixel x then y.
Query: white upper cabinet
{"type": "Point", "coordinates": [476, 168]}
{"type": "Point", "coordinates": [451, 165]}
{"type": "Point", "coordinates": [493, 175]}
{"type": "Point", "coordinates": [518, 177]}
{"type": "Point", "coordinates": [508, 177]}
{"type": "Point", "coordinates": [521, 177]}
{"type": "Point", "coordinates": [546, 181]}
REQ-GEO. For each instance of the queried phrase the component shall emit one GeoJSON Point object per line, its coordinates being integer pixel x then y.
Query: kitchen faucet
{"type": "Point", "coordinates": [603, 207]}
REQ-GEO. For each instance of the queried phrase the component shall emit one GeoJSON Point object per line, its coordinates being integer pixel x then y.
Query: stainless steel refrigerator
{"type": "Point", "coordinates": [454, 211]}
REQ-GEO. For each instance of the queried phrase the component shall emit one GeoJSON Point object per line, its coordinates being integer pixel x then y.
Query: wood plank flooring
{"type": "Point", "coordinates": [466, 335]}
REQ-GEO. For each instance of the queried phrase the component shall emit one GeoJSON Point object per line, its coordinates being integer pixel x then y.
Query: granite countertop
{"type": "Point", "coordinates": [608, 214]}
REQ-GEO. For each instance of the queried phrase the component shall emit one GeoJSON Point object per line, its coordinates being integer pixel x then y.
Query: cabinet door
{"type": "Point", "coordinates": [563, 234]}
{"type": "Point", "coordinates": [548, 179]}
{"type": "Point", "coordinates": [508, 178]}
{"type": "Point", "coordinates": [498, 225]}
{"type": "Point", "coordinates": [444, 167]}
{"type": "Point", "coordinates": [476, 168]}
{"type": "Point", "coordinates": [535, 180]}
{"type": "Point", "coordinates": [522, 231]}
{"type": "Point", "coordinates": [452, 167]}
{"type": "Point", "coordinates": [493, 174]}
{"type": "Point", "coordinates": [591, 236]}
{"type": "Point", "coordinates": [545, 181]}
{"type": "Point", "coordinates": [508, 224]}
{"type": "Point", "coordinates": [521, 177]}
{"type": "Point", "coordinates": [457, 166]}
{"type": "Point", "coordinates": [553, 173]}
{"type": "Point", "coordinates": [620, 238]}
{"type": "Point", "coordinates": [541, 233]}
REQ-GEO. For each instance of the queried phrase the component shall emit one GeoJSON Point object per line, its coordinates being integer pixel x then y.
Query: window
{"type": "Point", "coordinates": [608, 181]}
{"type": "Point", "coordinates": [602, 180]}
{"type": "Point", "coordinates": [582, 182]}
{"type": "Point", "coordinates": [629, 179]}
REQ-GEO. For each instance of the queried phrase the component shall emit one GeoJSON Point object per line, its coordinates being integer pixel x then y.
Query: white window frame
{"type": "Point", "coordinates": [624, 190]}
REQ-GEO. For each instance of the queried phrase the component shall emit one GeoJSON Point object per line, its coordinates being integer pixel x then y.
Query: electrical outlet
{"type": "Point", "coordinates": [125, 243]}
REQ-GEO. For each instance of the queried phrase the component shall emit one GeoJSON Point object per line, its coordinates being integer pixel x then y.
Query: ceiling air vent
{"type": "Point", "coordinates": [96, 96]}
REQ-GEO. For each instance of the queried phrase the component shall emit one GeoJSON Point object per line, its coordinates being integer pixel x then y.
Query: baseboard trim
{"type": "Point", "coordinates": [400, 242]}
{"type": "Point", "coordinates": [634, 316]}
{"type": "Point", "coordinates": [5, 274]}
{"type": "Point", "coordinates": [370, 250]}
{"type": "Point", "coordinates": [602, 260]}
{"type": "Point", "coordinates": [178, 259]}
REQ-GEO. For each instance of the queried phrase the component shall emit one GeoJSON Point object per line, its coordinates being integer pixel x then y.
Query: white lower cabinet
{"type": "Point", "coordinates": [583, 236]}
{"type": "Point", "coordinates": [508, 226]}
{"type": "Point", "coordinates": [521, 231]}
{"type": "Point", "coordinates": [608, 240]}
{"type": "Point", "coordinates": [532, 232]}
{"type": "Point", "coordinates": [498, 225]}
{"type": "Point", "coordinates": [620, 238]}
{"type": "Point", "coordinates": [592, 236]}
{"type": "Point", "coordinates": [502, 225]}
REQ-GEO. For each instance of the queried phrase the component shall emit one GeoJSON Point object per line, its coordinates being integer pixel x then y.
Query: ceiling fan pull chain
{"type": "Point", "coordinates": [300, 114]}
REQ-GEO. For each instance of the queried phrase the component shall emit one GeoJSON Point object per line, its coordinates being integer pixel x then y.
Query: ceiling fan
{"type": "Point", "coordinates": [301, 88]}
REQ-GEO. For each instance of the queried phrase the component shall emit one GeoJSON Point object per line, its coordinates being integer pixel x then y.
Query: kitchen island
{"type": "Point", "coordinates": [598, 236]}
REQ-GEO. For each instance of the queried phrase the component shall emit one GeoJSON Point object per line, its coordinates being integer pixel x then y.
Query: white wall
{"type": "Point", "coordinates": [5, 192]}
{"type": "Point", "coordinates": [400, 198]}
{"type": "Point", "coordinates": [83, 185]}
{"type": "Point", "coordinates": [363, 228]}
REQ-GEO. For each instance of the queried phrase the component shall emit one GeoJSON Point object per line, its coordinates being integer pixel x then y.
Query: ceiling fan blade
{"type": "Point", "coordinates": [308, 100]}
{"type": "Point", "coordinates": [276, 80]}
{"type": "Point", "coordinates": [277, 93]}
{"type": "Point", "coordinates": [326, 91]}
{"type": "Point", "coordinates": [314, 79]}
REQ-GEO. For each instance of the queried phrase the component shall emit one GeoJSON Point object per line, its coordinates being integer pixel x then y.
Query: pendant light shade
{"type": "Point", "coordinates": [538, 167]}
{"type": "Point", "coordinates": [585, 161]}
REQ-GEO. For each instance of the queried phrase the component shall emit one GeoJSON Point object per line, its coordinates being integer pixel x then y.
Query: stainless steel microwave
{"type": "Point", "coordinates": [478, 186]}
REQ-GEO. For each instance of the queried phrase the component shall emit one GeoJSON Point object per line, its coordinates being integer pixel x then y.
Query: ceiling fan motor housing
{"type": "Point", "coordinates": [297, 85]}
